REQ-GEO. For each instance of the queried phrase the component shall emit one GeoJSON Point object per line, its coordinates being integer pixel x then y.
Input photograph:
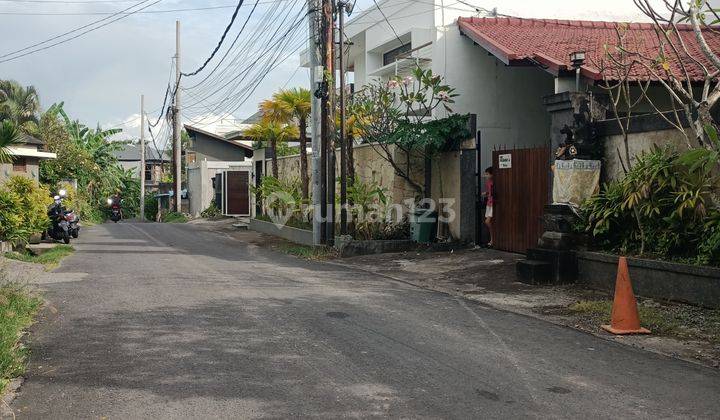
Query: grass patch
{"type": "Point", "coordinates": [307, 252]}
{"type": "Point", "coordinates": [18, 307]}
{"type": "Point", "coordinates": [50, 258]}
{"type": "Point", "coordinates": [174, 217]}
{"type": "Point", "coordinates": [675, 320]}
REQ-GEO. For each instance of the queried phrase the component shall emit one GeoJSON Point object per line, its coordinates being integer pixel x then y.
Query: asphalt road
{"type": "Point", "coordinates": [173, 321]}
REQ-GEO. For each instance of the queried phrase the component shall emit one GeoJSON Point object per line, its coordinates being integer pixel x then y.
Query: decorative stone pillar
{"type": "Point", "coordinates": [572, 139]}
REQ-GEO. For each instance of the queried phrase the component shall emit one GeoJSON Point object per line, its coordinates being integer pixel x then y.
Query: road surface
{"type": "Point", "coordinates": [174, 321]}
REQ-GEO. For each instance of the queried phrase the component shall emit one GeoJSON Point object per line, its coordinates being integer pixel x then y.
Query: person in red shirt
{"type": "Point", "coordinates": [489, 196]}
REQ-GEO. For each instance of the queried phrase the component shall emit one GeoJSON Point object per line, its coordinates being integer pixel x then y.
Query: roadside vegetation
{"type": "Point", "coordinates": [50, 258]}
{"type": "Point", "coordinates": [174, 217]}
{"type": "Point", "coordinates": [18, 307]}
{"type": "Point", "coordinates": [673, 320]}
{"type": "Point", "coordinates": [307, 252]}
{"type": "Point", "coordinates": [664, 207]}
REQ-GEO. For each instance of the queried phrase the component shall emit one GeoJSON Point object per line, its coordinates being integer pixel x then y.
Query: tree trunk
{"type": "Point", "coordinates": [304, 179]}
{"type": "Point", "coordinates": [273, 148]}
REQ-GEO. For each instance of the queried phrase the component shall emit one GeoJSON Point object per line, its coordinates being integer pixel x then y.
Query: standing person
{"type": "Point", "coordinates": [489, 198]}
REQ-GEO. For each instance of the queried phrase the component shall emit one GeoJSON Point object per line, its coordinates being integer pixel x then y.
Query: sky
{"type": "Point", "coordinates": [100, 76]}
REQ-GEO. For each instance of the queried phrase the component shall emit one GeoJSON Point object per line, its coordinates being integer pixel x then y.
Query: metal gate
{"type": "Point", "coordinates": [236, 193]}
{"type": "Point", "coordinates": [521, 191]}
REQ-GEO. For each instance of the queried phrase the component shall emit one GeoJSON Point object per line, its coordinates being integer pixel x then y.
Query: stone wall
{"type": "Point", "coordinates": [371, 166]}
{"type": "Point", "coordinates": [645, 132]}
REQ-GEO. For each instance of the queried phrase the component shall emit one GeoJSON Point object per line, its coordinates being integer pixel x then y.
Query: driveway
{"type": "Point", "coordinates": [175, 321]}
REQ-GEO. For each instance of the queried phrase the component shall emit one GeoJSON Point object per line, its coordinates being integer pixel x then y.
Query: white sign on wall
{"type": "Point", "coordinates": [505, 161]}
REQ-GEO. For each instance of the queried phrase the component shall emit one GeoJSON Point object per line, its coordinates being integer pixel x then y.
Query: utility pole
{"type": "Point", "coordinates": [316, 77]}
{"type": "Point", "coordinates": [329, 119]}
{"type": "Point", "coordinates": [142, 157]}
{"type": "Point", "coordinates": [177, 126]}
{"type": "Point", "coordinates": [343, 6]}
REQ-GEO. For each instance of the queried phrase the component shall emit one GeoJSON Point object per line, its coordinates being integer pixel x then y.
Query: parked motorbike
{"type": "Point", "coordinates": [59, 229]}
{"type": "Point", "coordinates": [73, 222]}
{"type": "Point", "coordinates": [115, 210]}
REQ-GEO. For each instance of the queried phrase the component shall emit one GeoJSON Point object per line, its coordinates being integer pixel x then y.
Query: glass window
{"type": "Point", "coordinates": [390, 56]}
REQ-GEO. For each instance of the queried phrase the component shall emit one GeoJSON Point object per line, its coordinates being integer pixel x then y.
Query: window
{"type": "Point", "coordinates": [19, 164]}
{"type": "Point", "coordinates": [148, 172]}
{"type": "Point", "coordinates": [390, 56]}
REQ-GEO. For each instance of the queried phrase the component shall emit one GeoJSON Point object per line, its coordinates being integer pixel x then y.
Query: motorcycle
{"type": "Point", "coordinates": [59, 229]}
{"type": "Point", "coordinates": [115, 211]}
{"type": "Point", "coordinates": [73, 223]}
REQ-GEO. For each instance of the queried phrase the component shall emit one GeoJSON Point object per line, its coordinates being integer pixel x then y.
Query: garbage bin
{"type": "Point", "coordinates": [422, 225]}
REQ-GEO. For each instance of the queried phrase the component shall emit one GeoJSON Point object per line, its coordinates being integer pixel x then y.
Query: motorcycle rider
{"type": "Point", "coordinates": [116, 202]}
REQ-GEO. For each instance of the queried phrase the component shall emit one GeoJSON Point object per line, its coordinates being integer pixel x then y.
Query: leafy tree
{"type": "Point", "coordinates": [272, 133]}
{"type": "Point", "coordinates": [9, 136]}
{"type": "Point", "coordinates": [398, 114]}
{"type": "Point", "coordinates": [293, 105]}
{"type": "Point", "coordinates": [19, 104]}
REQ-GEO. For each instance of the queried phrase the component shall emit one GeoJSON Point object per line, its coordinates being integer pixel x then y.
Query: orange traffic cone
{"type": "Point", "coordinates": [624, 318]}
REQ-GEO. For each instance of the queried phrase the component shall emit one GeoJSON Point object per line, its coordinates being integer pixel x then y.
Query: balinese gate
{"type": "Point", "coordinates": [521, 190]}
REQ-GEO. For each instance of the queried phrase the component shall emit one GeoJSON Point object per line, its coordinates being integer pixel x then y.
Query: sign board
{"type": "Point", "coordinates": [505, 161]}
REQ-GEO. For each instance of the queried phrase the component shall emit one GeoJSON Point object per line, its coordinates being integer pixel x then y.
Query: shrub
{"type": "Point", "coordinates": [11, 227]}
{"type": "Point", "coordinates": [174, 217]}
{"type": "Point", "coordinates": [664, 206]}
{"type": "Point", "coordinates": [280, 196]}
{"type": "Point", "coordinates": [151, 206]}
{"type": "Point", "coordinates": [34, 202]}
{"type": "Point", "coordinates": [211, 212]}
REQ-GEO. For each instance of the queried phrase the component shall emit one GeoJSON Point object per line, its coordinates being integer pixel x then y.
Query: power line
{"type": "Point", "coordinates": [76, 30]}
{"type": "Point", "coordinates": [402, 43]}
{"type": "Point", "coordinates": [69, 1]}
{"type": "Point", "coordinates": [217, 47]}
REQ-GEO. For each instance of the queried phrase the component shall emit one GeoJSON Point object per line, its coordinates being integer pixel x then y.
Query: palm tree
{"type": "Point", "coordinates": [9, 136]}
{"type": "Point", "coordinates": [292, 105]}
{"type": "Point", "coordinates": [19, 104]}
{"type": "Point", "coordinates": [272, 132]}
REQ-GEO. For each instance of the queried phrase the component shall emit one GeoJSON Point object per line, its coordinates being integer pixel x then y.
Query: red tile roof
{"type": "Point", "coordinates": [549, 43]}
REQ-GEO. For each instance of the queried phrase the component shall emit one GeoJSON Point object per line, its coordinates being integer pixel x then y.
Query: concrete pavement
{"type": "Point", "coordinates": [174, 321]}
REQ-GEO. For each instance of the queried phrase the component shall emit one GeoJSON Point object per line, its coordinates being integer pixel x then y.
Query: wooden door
{"type": "Point", "coordinates": [521, 191]}
{"type": "Point", "coordinates": [238, 193]}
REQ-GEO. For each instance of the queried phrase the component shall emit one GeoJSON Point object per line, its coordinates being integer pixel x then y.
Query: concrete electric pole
{"type": "Point", "coordinates": [177, 125]}
{"type": "Point", "coordinates": [329, 119]}
{"type": "Point", "coordinates": [316, 77]}
{"type": "Point", "coordinates": [142, 157]}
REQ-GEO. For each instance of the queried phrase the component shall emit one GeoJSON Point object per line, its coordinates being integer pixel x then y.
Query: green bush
{"type": "Point", "coordinates": [211, 212]}
{"type": "Point", "coordinates": [34, 202]}
{"type": "Point", "coordinates": [11, 227]}
{"type": "Point", "coordinates": [281, 196]}
{"type": "Point", "coordinates": [174, 217]}
{"type": "Point", "coordinates": [664, 206]}
{"type": "Point", "coordinates": [151, 206]}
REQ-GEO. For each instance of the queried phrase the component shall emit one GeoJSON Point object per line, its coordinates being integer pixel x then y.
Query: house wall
{"type": "Point", "coordinates": [507, 100]}
{"type": "Point", "coordinates": [207, 148]}
{"type": "Point", "coordinates": [638, 143]}
{"type": "Point", "coordinates": [32, 170]}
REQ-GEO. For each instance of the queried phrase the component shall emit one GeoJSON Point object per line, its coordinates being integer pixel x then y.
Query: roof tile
{"type": "Point", "coordinates": [519, 39]}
